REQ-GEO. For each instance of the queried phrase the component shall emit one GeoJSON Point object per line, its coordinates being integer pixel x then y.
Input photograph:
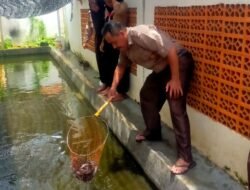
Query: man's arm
{"type": "Point", "coordinates": [174, 63]}
{"type": "Point", "coordinates": [174, 85]}
{"type": "Point", "coordinates": [118, 74]}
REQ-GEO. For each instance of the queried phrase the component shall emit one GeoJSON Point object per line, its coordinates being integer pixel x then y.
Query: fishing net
{"type": "Point", "coordinates": [86, 139]}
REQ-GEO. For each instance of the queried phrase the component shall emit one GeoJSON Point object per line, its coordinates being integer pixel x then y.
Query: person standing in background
{"type": "Point", "coordinates": [117, 11]}
{"type": "Point", "coordinates": [102, 11]}
{"type": "Point", "coordinates": [97, 12]}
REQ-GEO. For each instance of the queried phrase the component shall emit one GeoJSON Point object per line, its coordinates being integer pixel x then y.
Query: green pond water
{"type": "Point", "coordinates": [36, 102]}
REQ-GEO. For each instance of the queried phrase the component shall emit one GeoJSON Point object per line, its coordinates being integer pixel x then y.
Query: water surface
{"type": "Point", "coordinates": [36, 101]}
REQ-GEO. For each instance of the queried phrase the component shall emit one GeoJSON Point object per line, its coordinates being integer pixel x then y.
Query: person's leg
{"type": "Point", "coordinates": [98, 22]}
{"type": "Point", "coordinates": [99, 58]}
{"type": "Point", "coordinates": [123, 86]}
{"type": "Point", "coordinates": [180, 119]}
{"type": "Point", "coordinates": [181, 128]}
{"type": "Point", "coordinates": [110, 61]}
{"type": "Point", "coordinates": [152, 98]}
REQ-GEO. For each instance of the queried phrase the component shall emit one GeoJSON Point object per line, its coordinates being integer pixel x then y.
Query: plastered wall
{"type": "Point", "coordinates": [217, 33]}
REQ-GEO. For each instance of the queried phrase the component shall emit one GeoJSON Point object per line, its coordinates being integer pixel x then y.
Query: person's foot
{"type": "Point", "coordinates": [150, 137]}
{"type": "Point", "coordinates": [118, 97]}
{"type": "Point", "coordinates": [181, 166]}
{"type": "Point", "coordinates": [140, 138]}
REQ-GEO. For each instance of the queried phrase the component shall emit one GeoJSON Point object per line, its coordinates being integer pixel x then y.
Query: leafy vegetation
{"type": "Point", "coordinates": [37, 36]}
{"type": "Point", "coordinates": [8, 43]}
{"type": "Point", "coordinates": [47, 41]}
{"type": "Point", "coordinates": [37, 27]}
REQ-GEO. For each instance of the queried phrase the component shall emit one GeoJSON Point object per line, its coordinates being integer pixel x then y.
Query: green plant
{"type": "Point", "coordinates": [2, 94]}
{"type": "Point", "coordinates": [8, 43]}
{"type": "Point", "coordinates": [37, 36]}
{"type": "Point", "coordinates": [37, 29]}
{"type": "Point", "coordinates": [47, 40]}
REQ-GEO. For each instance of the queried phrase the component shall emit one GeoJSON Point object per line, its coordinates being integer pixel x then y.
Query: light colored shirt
{"type": "Point", "coordinates": [148, 47]}
{"type": "Point", "coordinates": [120, 12]}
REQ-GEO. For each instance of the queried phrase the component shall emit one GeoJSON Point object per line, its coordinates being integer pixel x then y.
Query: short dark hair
{"type": "Point", "coordinates": [112, 27]}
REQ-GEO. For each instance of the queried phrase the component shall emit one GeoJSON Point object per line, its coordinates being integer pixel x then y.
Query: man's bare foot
{"type": "Point", "coordinates": [118, 97]}
{"type": "Point", "coordinates": [181, 166]}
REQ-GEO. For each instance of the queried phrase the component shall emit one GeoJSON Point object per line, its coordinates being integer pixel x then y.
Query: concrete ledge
{"type": "Point", "coordinates": [25, 51]}
{"type": "Point", "coordinates": [125, 119]}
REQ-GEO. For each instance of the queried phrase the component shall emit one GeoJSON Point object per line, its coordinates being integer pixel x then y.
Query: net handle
{"type": "Point", "coordinates": [103, 107]}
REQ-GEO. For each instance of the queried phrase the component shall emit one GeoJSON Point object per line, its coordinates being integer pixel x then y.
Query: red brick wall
{"type": "Point", "coordinates": [84, 20]}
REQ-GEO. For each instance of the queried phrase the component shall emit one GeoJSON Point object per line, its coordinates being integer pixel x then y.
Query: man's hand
{"type": "Point", "coordinates": [174, 88]}
{"type": "Point", "coordinates": [112, 92]}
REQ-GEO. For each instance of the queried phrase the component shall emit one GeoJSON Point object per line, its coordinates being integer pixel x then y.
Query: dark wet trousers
{"type": "Point", "coordinates": [98, 22]}
{"type": "Point", "coordinates": [107, 60]}
{"type": "Point", "coordinates": [110, 59]}
{"type": "Point", "coordinates": [152, 97]}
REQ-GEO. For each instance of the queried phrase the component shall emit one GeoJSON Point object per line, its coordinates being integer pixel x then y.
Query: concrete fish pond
{"type": "Point", "coordinates": [37, 101]}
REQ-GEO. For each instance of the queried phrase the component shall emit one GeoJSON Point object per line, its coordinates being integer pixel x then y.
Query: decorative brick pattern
{"type": "Point", "coordinates": [84, 20]}
{"type": "Point", "coordinates": [219, 38]}
{"type": "Point", "coordinates": [91, 45]}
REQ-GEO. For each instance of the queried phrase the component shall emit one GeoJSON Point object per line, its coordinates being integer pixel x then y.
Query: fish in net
{"type": "Point", "coordinates": [86, 139]}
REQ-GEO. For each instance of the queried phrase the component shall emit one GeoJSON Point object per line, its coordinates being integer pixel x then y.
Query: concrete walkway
{"type": "Point", "coordinates": [125, 119]}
